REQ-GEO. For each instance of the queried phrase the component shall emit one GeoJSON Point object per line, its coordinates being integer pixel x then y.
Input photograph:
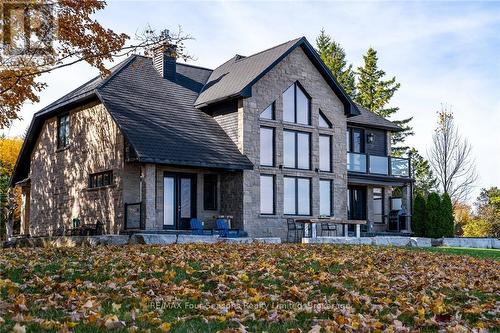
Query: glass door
{"type": "Point", "coordinates": [356, 204]}
{"type": "Point", "coordinates": [179, 200]}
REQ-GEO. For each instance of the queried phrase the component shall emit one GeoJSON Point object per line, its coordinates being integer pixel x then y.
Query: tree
{"type": "Point", "coordinates": [425, 181]}
{"type": "Point", "coordinates": [333, 55]}
{"type": "Point", "coordinates": [419, 218]}
{"type": "Point", "coordinates": [374, 93]}
{"type": "Point", "coordinates": [447, 220]}
{"type": "Point", "coordinates": [476, 228]}
{"type": "Point", "coordinates": [463, 216]}
{"type": "Point", "coordinates": [433, 216]}
{"type": "Point", "coordinates": [488, 209]}
{"type": "Point", "coordinates": [9, 150]}
{"type": "Point", "coordinates": [451, 158]}
{"type": "Point", "coordinates": [78, 38]}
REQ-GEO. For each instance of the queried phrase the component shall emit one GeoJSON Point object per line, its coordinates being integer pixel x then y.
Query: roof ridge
{"type": "Point", "coordinates": [270, 48]}
{"type": "Point", "coordinates": [194, 66]}
{"type": "Point", "coordinates": [119, 67]}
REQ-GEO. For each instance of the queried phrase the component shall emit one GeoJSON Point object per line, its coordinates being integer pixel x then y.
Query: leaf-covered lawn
{"type": "Point", "coordinates": [274, 288]}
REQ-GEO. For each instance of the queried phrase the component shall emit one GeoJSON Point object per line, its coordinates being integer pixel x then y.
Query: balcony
{"type": "Point", "coordinates": [378, 165]}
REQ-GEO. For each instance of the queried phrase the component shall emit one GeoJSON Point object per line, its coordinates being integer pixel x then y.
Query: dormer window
{"type": "Point", "coordinates": [323, 121]}
{"type": "Point", "coordinates": [268, 112]}
{"type": "Point", "coordinates": [63, 131]}
{"type": "Point", "coordinates": [296, 105]}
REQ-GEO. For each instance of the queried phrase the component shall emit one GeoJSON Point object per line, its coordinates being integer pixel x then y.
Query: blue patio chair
{"type": "Point", "coordinates": [223, 230]}
{"type": "Point", "coordinates": [197, 227]}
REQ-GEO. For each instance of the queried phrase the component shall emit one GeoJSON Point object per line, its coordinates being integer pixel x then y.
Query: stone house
{"type": "Point", "coordinates": [261, 138]}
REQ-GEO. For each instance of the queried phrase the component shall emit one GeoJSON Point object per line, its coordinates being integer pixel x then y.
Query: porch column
{"type": "Point", "coordinates": [149, 195]}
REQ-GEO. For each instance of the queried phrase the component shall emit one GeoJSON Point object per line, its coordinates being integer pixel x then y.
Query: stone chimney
{"type": "Point", "coordinates": [164, 60]}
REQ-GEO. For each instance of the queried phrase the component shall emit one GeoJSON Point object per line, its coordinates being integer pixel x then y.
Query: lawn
{"type": "Point", "coordinates": [480, 253]}
{"type": "Point", "coordinates": [245, 288]}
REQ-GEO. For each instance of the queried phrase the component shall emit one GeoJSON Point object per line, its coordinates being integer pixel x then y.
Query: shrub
{"type": "Point", "coordinates": [447, 222]}
{"type": "Point", "coordinates": [434, 216]}
{"type": "Point", "coordinates": [476, 228]}
{"type": "Point", "coordinates": [419, 219]}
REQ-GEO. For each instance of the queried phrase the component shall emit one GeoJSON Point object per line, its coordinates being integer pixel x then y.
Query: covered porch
{"type": "Point", "coordinates": [163, 199]}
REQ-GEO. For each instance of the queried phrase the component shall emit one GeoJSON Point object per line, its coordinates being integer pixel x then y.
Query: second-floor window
{"type": "Point", "coordinates": [267, 146]}
{"type": "Point", "coordinates": [63, 131]}
{"type": "Point", "coordinates": [325, 153]}
{"type": "Point", "coordinates": [296, 149]}
{"type": "Point", "coordinates": [296, 105]}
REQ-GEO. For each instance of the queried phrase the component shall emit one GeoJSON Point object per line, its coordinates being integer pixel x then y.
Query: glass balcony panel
{"type": "Point", "coordinates": [379, 165]}
{"type": "Point", "coordinates": [400, 167]}
{"type": "Point", "coordinates": [356, 162]}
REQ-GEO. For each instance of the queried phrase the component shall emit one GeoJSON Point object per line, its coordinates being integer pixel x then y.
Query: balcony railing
{"type": "Point", "coordinates": [378, 165]}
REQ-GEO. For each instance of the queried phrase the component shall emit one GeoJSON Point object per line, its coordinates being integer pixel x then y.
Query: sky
{"type": "Point", "coordinates": [440, 53]}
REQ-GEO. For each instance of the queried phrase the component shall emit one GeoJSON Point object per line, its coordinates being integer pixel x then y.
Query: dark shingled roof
{"type": "Point", "coordinates": [236, 76]}
{"type": "Point", "coordinates": [368, 118]}
{"type": "Point", "coordinates": [157, 117]}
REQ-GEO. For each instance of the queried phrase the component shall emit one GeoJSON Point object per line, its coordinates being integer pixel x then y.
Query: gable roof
{"type": "Point", "coordinates": [370, 119]}
{"type": "Point", "coordinates": [159, 120]}
{"type": "Point", "coordinates": [155, 115]}
{"type": "Point", "coordinates": [236, 76]}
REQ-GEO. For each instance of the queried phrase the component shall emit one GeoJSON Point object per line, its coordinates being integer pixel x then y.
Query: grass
{"type": "Point", "coordinates": [478, 253]}
{"type": "Point", "coordinates": [272, 288]}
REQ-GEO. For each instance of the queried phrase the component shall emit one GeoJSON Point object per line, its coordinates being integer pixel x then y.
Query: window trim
{"type": "Point", "coordinates": [296, 181]}
{"type": "Point", "coordinates": [332, 210]}
{"type": "Point", "coordinates": [273, 129]}
{"type": "Point", "coordinates": [93, 179]}
{"type": "Point", "coordinates": [296, 148]}
{"type": "Point", "coordinates": [205, 183]}
{"type": "Point", "coordinates": [330, 164]}
{"type": "Point", "coordinates": [309, 104]}
{"type": "Point", "coordinates": [274, 193]}
{"type": "Point", "coordinates": [66, 118]}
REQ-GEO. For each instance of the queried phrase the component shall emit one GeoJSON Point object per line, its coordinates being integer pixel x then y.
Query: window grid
{"type": "Point", "coordinates": [263, 210]}
{"type": "Point", "coordinates": [297, 196]}
{"type": "Point", "coordinates": [295, 163]}
{"type": "Point", "coordinates": [297, 87]}
{"type": "Point", "coordinates": [63, 131]}
{"type": "Point", "coordinates": [101, 179]}
{"type": "Point", "coordinates": [263, 146]}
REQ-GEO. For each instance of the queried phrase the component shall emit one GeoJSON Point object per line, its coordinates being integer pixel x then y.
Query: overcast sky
{"type": "Point", "coordinates": [440, 52]}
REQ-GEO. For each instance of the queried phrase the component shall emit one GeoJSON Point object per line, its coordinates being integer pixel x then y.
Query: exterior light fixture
{"type": "Point", "coordinates": [370, 138]}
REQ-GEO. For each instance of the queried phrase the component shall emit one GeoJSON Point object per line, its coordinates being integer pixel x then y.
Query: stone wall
{"type": "Point", "coordinates": [59, 177]}
{"type": "Point", "coordinates": [295, 67]}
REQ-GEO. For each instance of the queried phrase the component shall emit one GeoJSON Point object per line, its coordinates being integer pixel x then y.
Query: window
{"type": "Point", "coordinates": [63, 131]}
{"type": "Point", "coordinates": [296, 150]}
{"type": "Point", "coordinates": [297, 196]}
{"type": "Point", "coordinates": [325, 197]}
{"type": "Point", "coordinates": [296, 105]}
{"type": "Point", "coordinates": [323, 121]}
{"type": "Point", "coordinates": [210, 192]}
{"type": "Point", "coordinates": [266, 194]}
{"type": "Point", "coordinates": [268, 112]}
{"type": "Point", "coordinates": [355, 140]}
{"type": "Point", "coordinates": [378, 205]}
{"type": "Point", "coordinates": [101, 179]}
{"type": "Point", "coordinates": [267, 146]}
{"type": "Point", "coordinates": [325, 153]}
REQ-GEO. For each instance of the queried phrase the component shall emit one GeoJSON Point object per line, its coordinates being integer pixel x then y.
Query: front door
{"type": "Point", "coordinates": [179, 200]}
{"type": "Point", "coordinates": [356, 204]}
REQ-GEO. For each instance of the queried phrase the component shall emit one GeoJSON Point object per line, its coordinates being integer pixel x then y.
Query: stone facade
{"type": "Point", "coordinates": [295, 67]}
{"type": "Point", "coordinates": [59, 177]}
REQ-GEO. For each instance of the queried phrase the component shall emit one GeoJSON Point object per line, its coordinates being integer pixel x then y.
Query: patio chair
{"type": "Point", "coordinates": [223, 230]}
{"type": "Point", "coordinates": [328, 228]}
{"type": "Point", "coordinates": [197, 227]}
{"type": "Point", "coordinates": [294, 229]}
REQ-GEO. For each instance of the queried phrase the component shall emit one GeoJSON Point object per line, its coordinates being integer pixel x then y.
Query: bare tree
{"type": "Point", "coordinates": [451, 158]}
